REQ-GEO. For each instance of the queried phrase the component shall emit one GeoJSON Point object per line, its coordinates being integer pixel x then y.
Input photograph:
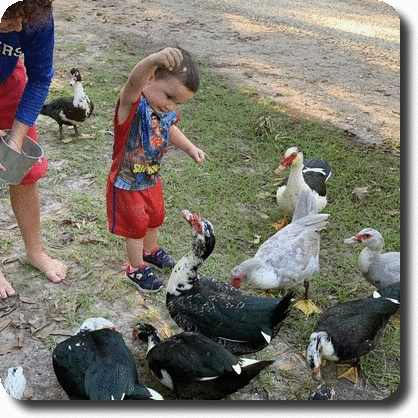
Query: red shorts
{"type": "Point", "coordinates": [10, 94]}
{"type": "Point", "coordinates": [131, 212]}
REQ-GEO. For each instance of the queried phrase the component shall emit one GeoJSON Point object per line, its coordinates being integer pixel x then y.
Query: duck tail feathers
{"type": "Point", "coordinates": [249, 370]}
{"type": "Point", "coordinates": [282, 309]}
{"type": "Point", "coordinates": [144, 393]}
{"type": "Point", "coordinates": [306, 205]}
{"type": "Point", "coordinates": [316, 222]}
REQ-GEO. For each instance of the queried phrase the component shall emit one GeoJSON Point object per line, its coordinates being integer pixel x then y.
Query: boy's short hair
{"type": "Point", "coordinates": [187, 72]}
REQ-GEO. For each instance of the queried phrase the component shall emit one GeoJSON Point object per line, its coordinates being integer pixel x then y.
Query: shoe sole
{"type": "Point", "coordinates": [140, 288]}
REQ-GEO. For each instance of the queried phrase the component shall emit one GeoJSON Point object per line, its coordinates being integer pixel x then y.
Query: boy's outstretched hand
{"type": "Point", "coordinates": [168, 57]}
{"type": "Point", "coordinates": [196, 153]}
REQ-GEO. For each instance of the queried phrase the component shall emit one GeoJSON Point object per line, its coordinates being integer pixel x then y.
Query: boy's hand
{"type": "Point", "coordinates": [168, 57]}
{"type": "Point", "coordinates": [196, 153]}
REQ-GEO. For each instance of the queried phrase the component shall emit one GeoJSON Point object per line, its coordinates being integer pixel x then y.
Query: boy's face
{"type": "Point", "coordinates": [165, 94]}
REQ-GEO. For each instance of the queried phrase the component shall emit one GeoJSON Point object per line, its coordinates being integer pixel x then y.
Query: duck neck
{"type": "Point", "coordinates": [79, 94]}
{"type": "Point", "coordinates": [184, 274]}
{"type": "Point", "coordinates": [295, 175]}
{"type": "Point", "coordinates": [153, 339]}
{"type": "Point", "coordinates": [366, 259]}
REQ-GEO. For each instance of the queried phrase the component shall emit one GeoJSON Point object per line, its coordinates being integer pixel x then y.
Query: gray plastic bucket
{"type": "Point", "coordinates": [17, 164]}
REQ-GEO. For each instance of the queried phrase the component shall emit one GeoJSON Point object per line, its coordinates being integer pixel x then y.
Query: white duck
{"type": "Point", "coordinates": [379, 269]}
{"type": "Point", "coordinates": [290, 256]}
{"type": "Point", "coordinates": [309, 176]}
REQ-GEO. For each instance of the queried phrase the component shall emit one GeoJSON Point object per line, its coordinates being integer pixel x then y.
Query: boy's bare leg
{"type": "Point", "coordinates": [151, 239]}
{"type": "Point", "coordinates": [26, 206]}
{"type": "Point", "coordinates": [134, 249]}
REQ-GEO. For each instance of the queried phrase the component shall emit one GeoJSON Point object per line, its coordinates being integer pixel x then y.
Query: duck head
{"type": "Point", "coordinates": [74, 76]}
{"type": "Point", "coordinates": [203, 235]}
{"type": "Point", "coordinates": [320, 346]}
{"type": "Point", "coordinates": [146, 333]}
{"type": "Point", "coordinates": [94, 324]}
{"type": "Point", "coordinates": [292, 157]}
{"type": "Point", "coordinates": [253, 272]}
{"type": "Point", "coordinates": [369, 237]}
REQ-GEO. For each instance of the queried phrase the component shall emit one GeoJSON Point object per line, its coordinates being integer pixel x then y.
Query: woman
{"type": "Point", "coordinates": [27, 29]}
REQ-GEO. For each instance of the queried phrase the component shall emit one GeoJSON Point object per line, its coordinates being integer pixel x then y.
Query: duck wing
{"type": "Point", "coordinates": [196, 367]}
{"type": "Point", "coordinates": [185, 355]}
{"type": "Point", "coordinates": [294, 251]}
{"type": "Point", "coordinates": [228, 315]}
{"type": "Point", "coordinates": [384, 270]}
{"type": "Point", "coordinates": [316, 172]}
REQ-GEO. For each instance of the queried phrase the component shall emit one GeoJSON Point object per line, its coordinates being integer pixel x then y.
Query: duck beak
{"type": "Point", "coordinates": [195, 221]}
{"type": "Point", "coordinates": [280, 169]}
{"type": "Point", "coordinates": [316, 375]}
{"type": "Point", "coordinates": [134, 334]}
{"type": "Point", "coordinates": [352, 240]}
{"type": "Point", "coordinates": [187, 215]}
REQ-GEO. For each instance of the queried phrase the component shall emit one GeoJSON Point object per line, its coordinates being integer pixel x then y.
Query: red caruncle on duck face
{"type": "Point", "coordinates": [195, 221]}
{"type": "Point", "coordinates": [236, 282]}
{"type": "Point", "coordinates": [363, 237]}
{"type": "Point", "coordinates": [287, 162]}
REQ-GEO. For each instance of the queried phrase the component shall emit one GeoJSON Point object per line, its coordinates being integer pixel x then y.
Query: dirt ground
{"type": "Point", "coordinates": [326, 59]}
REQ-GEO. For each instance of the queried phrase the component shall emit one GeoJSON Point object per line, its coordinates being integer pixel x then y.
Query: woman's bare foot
{"type": "Point", "coordinates": [53, 269]}
{"type": "Point", "coordinates": [6, 289]}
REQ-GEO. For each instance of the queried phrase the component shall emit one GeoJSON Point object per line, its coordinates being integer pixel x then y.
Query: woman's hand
{"type": "Point", "coordinates": [13, 144]}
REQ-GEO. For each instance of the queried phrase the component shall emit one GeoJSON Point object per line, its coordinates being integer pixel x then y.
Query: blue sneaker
{"type": "Point", "coordinates": [160, 259]}
{"type": "Point", "coordinates": [143, 279]}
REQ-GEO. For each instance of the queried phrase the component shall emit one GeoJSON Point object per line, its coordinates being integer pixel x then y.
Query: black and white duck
{"type": "Point", "coordinates": [379, 269]}
{"type": "Point", "coordinates": [97, 365]}
{"type": "Point", "coordinates": [70, 110]}
{"type": "Point", "coordinates": [310, 175]}
{"type": "Point", "coordinates": [288, 258]}
{"type": "Point", "coordinates": [196, 367]}
{"type": "Point", "coordinates": [350, 330]}
{"type": "Point", "coordinates": [243, 324]}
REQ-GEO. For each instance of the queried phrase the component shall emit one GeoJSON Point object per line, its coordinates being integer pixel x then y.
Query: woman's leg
{"type": "Point", "coordinates": [26, 206]}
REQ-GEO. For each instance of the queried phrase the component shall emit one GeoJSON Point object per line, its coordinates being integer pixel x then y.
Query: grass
{"type": "Point", "coordinates": [244, 136]}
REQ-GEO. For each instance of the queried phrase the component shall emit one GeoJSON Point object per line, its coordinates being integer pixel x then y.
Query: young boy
{"type": "Point", "coordinates": [144, 122]}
